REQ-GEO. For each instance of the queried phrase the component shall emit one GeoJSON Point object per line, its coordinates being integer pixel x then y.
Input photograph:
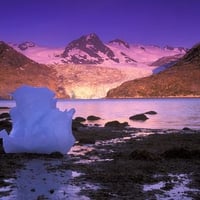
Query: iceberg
{"type": "Point", "coordinates": [38, 126]}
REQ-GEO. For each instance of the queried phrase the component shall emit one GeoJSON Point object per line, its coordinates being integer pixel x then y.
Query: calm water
{"type": "Point", "coordinates": [172, 112]}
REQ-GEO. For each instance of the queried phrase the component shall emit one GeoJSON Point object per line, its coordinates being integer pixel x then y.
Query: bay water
{"type": "Point", "coordinates": [172, 113]}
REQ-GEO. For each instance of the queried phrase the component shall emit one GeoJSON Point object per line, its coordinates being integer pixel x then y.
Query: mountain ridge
{"type": "Point", "coordinates": [90, 49]}
{"type": "Point", "coordinates": [181, 79]}
{"type": "Point", "coordinates": [16, 70]}
{"type": "Point", "coordinates": [95, 80]}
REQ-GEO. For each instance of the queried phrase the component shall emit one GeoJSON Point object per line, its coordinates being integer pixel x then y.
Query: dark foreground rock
{"type": "Point", "coordinates": [4, 108]}
{"type": "Point", "coordinates": [5, 124]}
{"type": "Point", "coordinates": [5, 115]}
{"type": "Point", "coordinates": [120, 169]}
{"type": "Point", "coordinates": [79, 119]}
{"type": "Point", "coordinates": [151, 112]}
{"type": "Point", "coordinates": [93, 118]}
{"type": "Point", "coordinates": [139, 117]}
{"type": "Point", "coordinates": [116, 124]}
{"type": "Point", "coordinates": [147, 160]}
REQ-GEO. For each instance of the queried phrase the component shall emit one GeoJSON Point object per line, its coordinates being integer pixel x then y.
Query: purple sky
{"type": "Point", "coordinates": [57, 22]}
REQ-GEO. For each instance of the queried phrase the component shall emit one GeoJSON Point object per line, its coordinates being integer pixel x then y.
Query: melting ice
{"type": "Point", "coordinates": [38, 126]}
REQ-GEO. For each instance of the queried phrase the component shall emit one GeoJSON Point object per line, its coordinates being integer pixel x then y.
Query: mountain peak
{"type": "Point", "coordinates": [193, 55]}
{"type": "Point", "coordinates": [91, 36]}
{"type": "Point", "coordinates": [20, 70]}
{"type": "Point", "coordinates": [120, 42]}
{"type": "Point", "coordinates": [11, 57]}
{"type": "Point", "coordinates": [181, 49]}
{"type": "Point", "coordinates": [87, 50]}
{"type": "Point", "coordinates": [25, 45]}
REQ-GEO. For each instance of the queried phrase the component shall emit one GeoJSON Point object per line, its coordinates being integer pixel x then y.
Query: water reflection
{"type": "Point", "coordinates": [173, 113]}
{"type": "Point", "coordinates": [42, 179]}
{"type": "Point", "coordinates": [178, 187]}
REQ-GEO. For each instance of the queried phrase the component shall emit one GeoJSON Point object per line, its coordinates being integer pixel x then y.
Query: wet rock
{"type": "Point", "coordinates": [5, 115]}
{"type": "Point", "coordinates": [51, 191]}
{"type": "Point", "coordinates": [186, 129]}
{"type": "Point", "coordinates": [196, 153]}
{"type": "Point", "coordinates": [168, 186]}
{"type": "Point", "coordinates": [143, 155]}
{"type": "Point", "coordinates": [76, 125]}
{"type": "Point", "coordinates": [42, 197]}
{"type": "Point", "coordinates": [80, 119]}
{"type": "Point", "coordinates": [139, 117]}
{"type": "Point", "coordinates": [93, 118]}
{"type": "Point", "coordinates": [116, 124]}
{"type": "Point", "coordinates": [56, 155]}
{"type": "Point", "coordinates": [5, 124]}
{"type": "Point", "coordinates": [151, 112]}
{"type": "Point", "coordinates": [85, 140]}
{"type": "Point", "coordinates": [1, 147]}
{"type": "Point", "coordinates": [176, 152]}
{"type": "Point", "coordinates": [2, 108]}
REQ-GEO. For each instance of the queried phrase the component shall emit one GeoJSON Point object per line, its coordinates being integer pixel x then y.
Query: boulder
{"type": "Point", "coordinates": [93, 118]}
{"type": "Point", "coordinates": [143, 155]}
{"type": "Point", "coordinates": [76, 125]}
{"type": "Point", "coordinates": [5, 124]}
{"type": "Point", "coordinates": [186, 129]}
{"type": "Point", "coordinates": [151, 112]}
{"type": "Point", "coordinates": [139, 117]}
{"type": "Point", "coordinates": [80, 119]}
{"type": "Point", "coordinates": [5, 115]}
{"type": "Point", "coordinates": [4, 107]}
{"type": "Point", "coordinates": [116, 124]}
{"type": "Point", "coordinates": [177, 152]}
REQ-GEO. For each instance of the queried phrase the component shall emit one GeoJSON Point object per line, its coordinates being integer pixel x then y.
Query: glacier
{"type": "Point", "coordinates": [38, 126]}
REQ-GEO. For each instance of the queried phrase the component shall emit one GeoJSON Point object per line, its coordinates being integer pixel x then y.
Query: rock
{"type": "Point", "coordinates": [90, 140]}
{"type": "Point", "coordinates": [116, 124]}
{"type": "Point", "coordinates": [139, 117]}
{"type": "Point", "coordinates": [151, 112]}
{"type": "Point", "coordinates": [176, 152]}
{"type": "Point", "coordinates": [186, 129]}
{"type": "Point", "coordinates": [1, 147]}
{"type": "Point", "coordinates": [80, 119]}
{"type": "Point", "coordinates": [5, 115]}
{"type": "Point", "coordinates": [5, 124]}
{"type": "Point", "coordinates": [3, 108]}
{"type": "Point", "coordinates": [56, 154]}
{"type": "Point", "coordinates": [143, 155]}
{"type": "Point", "coordinates": [93, 118]}
{"type": "Point", "coordinates": [76, 125]}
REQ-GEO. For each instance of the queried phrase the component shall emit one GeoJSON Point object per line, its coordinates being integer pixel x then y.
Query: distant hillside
{"type": "Point", "coordinates": [16, 70]}
{"type": "Point", "coordinates": [182, 79]}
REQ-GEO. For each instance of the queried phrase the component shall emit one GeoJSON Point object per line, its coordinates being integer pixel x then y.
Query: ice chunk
{"type": "Point", "coordinates": [38, 126]}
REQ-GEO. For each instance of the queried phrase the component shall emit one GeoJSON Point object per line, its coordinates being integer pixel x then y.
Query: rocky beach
{"type": "Point", "coordinates": [111, 162]}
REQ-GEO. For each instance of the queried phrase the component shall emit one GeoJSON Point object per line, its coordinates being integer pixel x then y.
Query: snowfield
{"type": "Point", "coordinates": [95, 80]}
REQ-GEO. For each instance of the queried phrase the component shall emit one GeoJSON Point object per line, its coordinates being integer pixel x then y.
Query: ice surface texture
{"type": "Point", "coordinates": [38, 126]}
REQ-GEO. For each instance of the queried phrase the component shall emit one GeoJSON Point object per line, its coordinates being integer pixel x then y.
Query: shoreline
{"type": "Point", "coordinates": [122, 98]}
{"type": "Point", "coordinates": [117, 163]}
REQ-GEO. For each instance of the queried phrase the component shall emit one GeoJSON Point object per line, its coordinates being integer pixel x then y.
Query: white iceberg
{"type": "Point", "coordinates": [38, 126]}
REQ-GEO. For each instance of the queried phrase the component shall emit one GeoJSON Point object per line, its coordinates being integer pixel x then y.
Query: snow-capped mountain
{"type": "Point", "coordinates": [25, 45]}
{"type": "Point", "coordinates": [141, 54]}
{"type": "Point", "coordinates": [16, 70]}
{"type": "Point", "coordinates": [181, 79]}
{"type": "Point", "coordinates": [40, 54]}
{"type": "Point", "coordinates": [89, 49]}
{"type": "Point", "coordinates": [88, 67]}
